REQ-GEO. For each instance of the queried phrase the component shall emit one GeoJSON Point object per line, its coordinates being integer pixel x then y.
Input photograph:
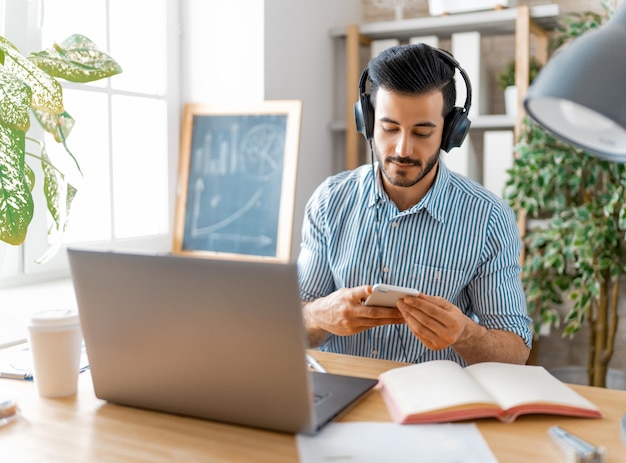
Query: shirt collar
{"type": "Point", "coordinates": [380, 195]}
{"type": "Point", "coordinates": [434, 201]}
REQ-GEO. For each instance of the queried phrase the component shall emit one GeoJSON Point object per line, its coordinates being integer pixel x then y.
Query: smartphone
{"type": "Point", "coordinates": [387, 295]}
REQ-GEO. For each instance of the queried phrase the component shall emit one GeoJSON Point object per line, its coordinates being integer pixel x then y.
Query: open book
{"type": "Point", "coordinates": [442, 391]}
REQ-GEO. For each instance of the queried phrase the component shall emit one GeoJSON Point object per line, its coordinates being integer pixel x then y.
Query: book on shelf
{"type": "Point", "coordinates": [498, 157]}
{"type": "Point", "coordinates": [443, 391]}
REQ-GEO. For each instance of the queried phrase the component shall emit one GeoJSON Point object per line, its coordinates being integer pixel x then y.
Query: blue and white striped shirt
{"type": "Point", "coordinates": [460, 242]}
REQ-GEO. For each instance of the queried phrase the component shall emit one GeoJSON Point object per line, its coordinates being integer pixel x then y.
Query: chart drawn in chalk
{"type": "Point", "coordinates": [234, 185]}
{"type": "Point", "coordinates": [237, 179]}
{"type": "Point", "coordinates": [258, 154]}
{"type": "Point", "coordinates": [262, 148]}
{"type": "Point", "coordinates": [197, 230]}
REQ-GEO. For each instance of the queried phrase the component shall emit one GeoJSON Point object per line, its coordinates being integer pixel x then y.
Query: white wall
{"type": "Point", "coordinates": [250, 50]}
{"type": "Point", "coordinates": [299, 62]}
{"type": "Point", "coordinates": [222, 51]}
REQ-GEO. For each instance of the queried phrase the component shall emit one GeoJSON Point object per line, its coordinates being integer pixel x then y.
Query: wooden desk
{"type": "Point", "coordinates": [85, 429]}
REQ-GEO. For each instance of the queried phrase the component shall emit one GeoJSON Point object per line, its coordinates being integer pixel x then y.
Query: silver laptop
{"type": "Point", "coordinates": [214, 339]}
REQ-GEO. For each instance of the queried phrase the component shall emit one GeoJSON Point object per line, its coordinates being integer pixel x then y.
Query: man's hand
{"type": "Point", "coordinates": [434, 320]}
{"type": "Point", "coordinates": [440, 324]}
{"type": "Point", "coordinates": [342, 313]}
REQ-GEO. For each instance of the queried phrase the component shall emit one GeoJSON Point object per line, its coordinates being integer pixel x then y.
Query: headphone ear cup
{"type": "Point", "coordinates": [456, 126]}
{"type": "Point", "coordinates": [364, 116]}
{"type": "Point", "coordinates": [358, 118]}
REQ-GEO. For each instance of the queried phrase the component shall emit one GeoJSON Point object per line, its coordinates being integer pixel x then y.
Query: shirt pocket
{"type": "Point", "coordinates": [439, 281]}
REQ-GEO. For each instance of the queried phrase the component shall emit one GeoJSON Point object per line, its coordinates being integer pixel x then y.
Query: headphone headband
{"type": "Point", "coordinates": [456, 122]}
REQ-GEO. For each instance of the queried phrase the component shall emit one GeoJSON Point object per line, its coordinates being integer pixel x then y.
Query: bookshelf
{"type": "Point", "coordinates": [524, 22]}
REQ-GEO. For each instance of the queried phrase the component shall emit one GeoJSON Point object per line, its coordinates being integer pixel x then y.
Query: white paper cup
{"type": "Point", "coordinates": [55, 341]}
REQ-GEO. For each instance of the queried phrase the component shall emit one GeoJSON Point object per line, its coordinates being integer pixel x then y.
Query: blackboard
{"type": "Point", "coordinates": [237, 178]}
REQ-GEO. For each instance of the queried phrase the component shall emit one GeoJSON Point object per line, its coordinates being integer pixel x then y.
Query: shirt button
{"type": "Point", "coordinates": [394, 224]}
{"type": "Point", "coordinates": [374, 353]}
{"type": "Point", "coordinates": [386, 269]}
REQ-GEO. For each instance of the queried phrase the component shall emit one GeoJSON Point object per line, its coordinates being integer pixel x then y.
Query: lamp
{"type": "Point", "coordinates": [580, 94]}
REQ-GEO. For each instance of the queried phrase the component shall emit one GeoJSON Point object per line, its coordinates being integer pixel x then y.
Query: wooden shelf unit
{"type": "Point", "coordinates": [523, 22]}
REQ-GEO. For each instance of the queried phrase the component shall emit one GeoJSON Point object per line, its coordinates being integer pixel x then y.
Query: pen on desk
{"type": "Point", "coordinates": [582, 451]}
{"type": "Point", "coordinates": [17, 375]}
{"type": "Point", "coordinates": [313, 363]}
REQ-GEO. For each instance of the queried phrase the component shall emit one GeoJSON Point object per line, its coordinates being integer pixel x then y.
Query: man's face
{"type": "Point", "coordinates": [407, 135]}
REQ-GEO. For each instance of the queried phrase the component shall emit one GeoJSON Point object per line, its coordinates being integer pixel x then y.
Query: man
{"type": "Point", "coordinates": [407, 220]}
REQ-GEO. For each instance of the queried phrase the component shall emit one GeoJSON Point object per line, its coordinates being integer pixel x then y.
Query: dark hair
{"type": "Point", "coordinates": [413, 69]}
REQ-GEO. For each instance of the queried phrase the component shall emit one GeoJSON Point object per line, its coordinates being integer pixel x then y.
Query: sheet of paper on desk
{"type": "Point", "coordinates": [368, 442]}
{"type": "Point", "coordinates": [17, 363]}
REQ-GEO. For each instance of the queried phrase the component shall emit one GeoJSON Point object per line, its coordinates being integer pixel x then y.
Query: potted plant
{"type": "Point", "coordinates": [506, 81]}
{"type": "Point", "coordinates": [30, 84]}
{"type": "Point", "coordinates": [579, 254]}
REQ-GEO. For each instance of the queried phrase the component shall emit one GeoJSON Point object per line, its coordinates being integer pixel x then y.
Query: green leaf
{"type": "Point", "coordinates": [59, 194]}
{"type": "Point", "coordinates": [46, 91]}
{"type": "Point", "coordinates": [16, 201]}
{"type": "Point", "coordinates": [15, 97]}
{"type": "Point", "coordinates": [24, 87]}
{"type": "Point", "coordinates": [58, 125]}
{"type": "Point", "coordinates": [76, 59]}
{"type": "Point", "coordinates": [562, 283]}
{"type": "Point", "coordinates": [604, 263]}
{"type": "Point", "coordinates": [30, 176]}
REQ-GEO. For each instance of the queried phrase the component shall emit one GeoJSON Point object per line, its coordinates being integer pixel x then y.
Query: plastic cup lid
{"type": "Point", "coordinates": [55, 317]}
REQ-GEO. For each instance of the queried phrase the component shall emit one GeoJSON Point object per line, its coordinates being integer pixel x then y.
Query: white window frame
{"type": "Point", "coordinates": [18, 262]}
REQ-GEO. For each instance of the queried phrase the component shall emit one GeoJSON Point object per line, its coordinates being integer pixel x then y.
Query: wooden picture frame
{"type": "Point", "coordinates": [237, 180]}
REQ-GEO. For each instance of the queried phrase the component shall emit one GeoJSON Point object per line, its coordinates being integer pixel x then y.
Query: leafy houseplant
{"type": "Point", "coordinates": [30, 83]}
{"type": "Point", "coordinates": [506, 81]}
{"type": "Point", "coordinates": [506, 78]}
{"type": "Point", "coordinates": [580, 253]}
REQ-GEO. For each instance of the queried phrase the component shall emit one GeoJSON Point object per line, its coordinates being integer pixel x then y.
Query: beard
{"type": "Point", "coordinates": [402, 178]}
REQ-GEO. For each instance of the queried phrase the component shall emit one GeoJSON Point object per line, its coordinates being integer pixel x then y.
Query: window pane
{"type": "Point", "coordinates": [131, 106]}
{"type": "Point", "coordinates": [139, 166]}
{"type": "Point", "coordinates": [62, 18]}
{"type": "Point", "coordinates": [9, 260]}
{"type": "Point", "coordinates": [138, 43]}
{"type": "Point", "coordinates": [90, 215]}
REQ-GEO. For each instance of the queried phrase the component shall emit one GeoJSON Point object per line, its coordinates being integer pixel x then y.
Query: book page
{"type": "Point", "coordinates": [433, 386]}
{"type": "Point", "coordinates": [516, 385]}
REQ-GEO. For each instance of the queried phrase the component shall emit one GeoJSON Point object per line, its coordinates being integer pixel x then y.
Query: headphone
{"type": "Point", "coordinates": [456, 123]}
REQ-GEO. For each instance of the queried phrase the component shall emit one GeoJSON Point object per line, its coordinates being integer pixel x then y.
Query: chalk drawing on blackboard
{"type": "Point", "coordinates": [237, 180]}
